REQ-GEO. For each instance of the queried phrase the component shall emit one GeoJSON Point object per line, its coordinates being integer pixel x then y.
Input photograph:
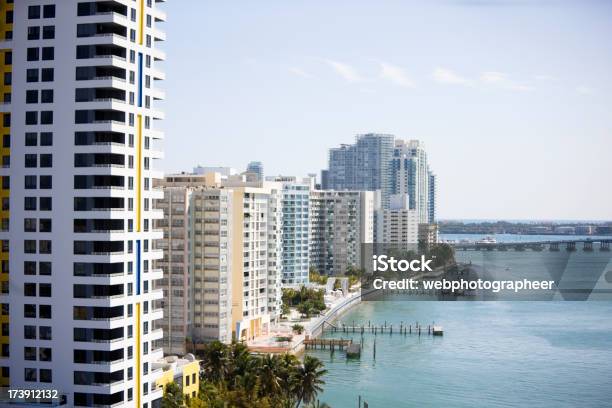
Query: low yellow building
{"type": "Point", "coordinates": [184, 371]}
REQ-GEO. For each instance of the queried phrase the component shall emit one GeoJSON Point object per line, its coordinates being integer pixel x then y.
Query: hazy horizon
{"type": "Point", "coordinates": [512, 98]}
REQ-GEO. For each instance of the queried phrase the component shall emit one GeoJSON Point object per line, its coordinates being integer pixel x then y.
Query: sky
{"type": "Point", "coordinates": [513, 99]}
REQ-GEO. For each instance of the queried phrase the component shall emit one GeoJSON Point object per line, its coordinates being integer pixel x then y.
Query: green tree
{"type": "Point", "coordinates": [173, 396]}
{"type": "Point", "coordinates": [215, 361]}
{"type": "Point", "coordinates": [298, 328]}
{"type": "Point", "coordinates": [308, 380]}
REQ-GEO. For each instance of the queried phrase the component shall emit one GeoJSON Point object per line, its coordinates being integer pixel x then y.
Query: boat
{"type": "Point", "coordinates": [486, 241]}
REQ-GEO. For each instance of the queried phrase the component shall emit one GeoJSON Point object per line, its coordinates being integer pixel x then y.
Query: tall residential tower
{"type": "Point", "coordinates": [82, 113]}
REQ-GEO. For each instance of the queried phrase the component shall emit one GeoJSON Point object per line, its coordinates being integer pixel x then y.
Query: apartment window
{"type": "Point", "coordinates": [48, 32]}
{"type": "Point", "coordinates": [45, 375]}
{"type": "Point", "coordinates": [29, 332]}
{"type": "Point", "coordinates": [46, 96]}
{"type": "Point", "coordinates": [133, 35]}
{"type": "Point", "coordinates": [31, 118]}
{"type": "Point", "coordinates": [31, 160]}
{"type": "Point", "coordinates": [29, 224]}
{"type": "Point", "coordinates": [32, 75]}
{"type": "Point", "coordinates": [33, 54]}
{"type": "Point", "coordinates": [29, 353]}
{"type": "Point", "coordinates": [131, 140]}
{"type": "Point", "coordinates": [148, 61]}
{"type": "Point", "coordinates": [6, 120]}
{"type": "Point", "coordinates": [44, 333]}
{"type": "Point", "coordinates": [132, 56]}
{"type": "Point", "coordinates": [8, 18]}
{"type": "Point", "coordinates": [31, 139]}
{"type": "Point", "coordinates": [49, 11]}
{"type": "Point", "coordinates": [46, 182]}
{"type": "Point", "coordinates": [29, 268]}
{"type": "Point", "coordinates": [46, 160]}
{"type": "Point", "coordinates": [46, 139]}
{"type": "Point", "coordinates": [133, 14]}
{"type": "Point", "coordinates": [30, 182]}
{"type": "Point", "coordinates": [29, 311]}
{"type": "Point", "coordinates": [44, 246]}
{"type": "Point", "coordinates": [46, 117]}
{"type": "Point", "coordinates": [32, 96]}
{"type": "Point", "coordinates": [44, 289]}
{"type": "Point", "coordinates": [33, 12]}
{"type": "Point", "coordinates": [29, 289]}
{"type": "Point", "coordinates": [45, 203]}
{"type": "Point", "coordinates": [8, 78]}
{"type": "Point", "coordinates": [44, 311]}
{"type": "Point", "coordinates": [33, 33]}
{"type": "Point", "coordinates": [44, 225]}
{"type": "Point", "coordinates": [47, 74]}
{"type": "Point", "coordinates": [148, 41]}
{"type": "Point", "coordinates": [44, 268]}
{"type": "Point", "coordinates": [29, 204]}
{"type": "Point", "coordinates": [149, 21]}
{"type": "Point", "coordinates": [48, 53]}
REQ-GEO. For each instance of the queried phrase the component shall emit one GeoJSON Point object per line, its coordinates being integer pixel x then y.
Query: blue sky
{"type": "Point", "coordinates": [512, 98]}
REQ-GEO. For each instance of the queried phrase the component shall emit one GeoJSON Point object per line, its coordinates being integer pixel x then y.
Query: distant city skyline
{"type": "Point", "coordinates": [512, 99]}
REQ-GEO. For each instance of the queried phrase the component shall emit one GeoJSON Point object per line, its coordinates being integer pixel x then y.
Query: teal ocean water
{"type": "Point", "coordinates": [492, 354]}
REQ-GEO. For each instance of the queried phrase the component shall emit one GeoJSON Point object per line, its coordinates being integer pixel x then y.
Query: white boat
{"type": "Point", "coordinates": [486, 241]}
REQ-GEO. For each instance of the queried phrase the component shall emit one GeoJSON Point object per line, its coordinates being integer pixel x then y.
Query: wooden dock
{"type": "Point", "coordinates": [403, 329]}
{"type": "Point", "coordinates": [331, 344]}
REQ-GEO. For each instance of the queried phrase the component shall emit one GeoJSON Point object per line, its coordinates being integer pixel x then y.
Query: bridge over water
{"type": "Point", "coordinates": [570, 245]}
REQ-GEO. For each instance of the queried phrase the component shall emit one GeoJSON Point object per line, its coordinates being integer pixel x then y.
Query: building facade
{"type": "Point", "coordinates": [433, 192]}
{"type": "Point", "coordinates": [80, 232]}
{"type": "Point", "coordinates": [398, 225]}
{"type": "Point", "coordinates": [176, 283]}
{"type": "Point", "coordinates": [295, 206]}
{"type": "Point", "coordinates": [340, 222]}
{"type": "Point", "coordinates": [362, 166]}
{"type": "Point", "coordinates": [411, 175]}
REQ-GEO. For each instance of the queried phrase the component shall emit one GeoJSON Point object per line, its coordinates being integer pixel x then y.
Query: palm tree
{"type": "Point", "coordinates": [215, 361]}
{"type": "Point", "coordinates": [268, 370]}
{"type": "Point", "coordinates": [308, 380]}
{"type": "Point", "coordinates": [173, 396]}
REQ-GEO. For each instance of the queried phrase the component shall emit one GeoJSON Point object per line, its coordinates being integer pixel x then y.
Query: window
{"type": "Point", "coordinates": [31, 139]}
{"type": "Point", "coordinates": [44, 246]}
{"type": "Point", "coordinates": [33, 12]}
{"type": "Point", "coordinates": [8, 78]}
{"type": "Point", "coordinates": [46, 160]}
{"type": "Point", "coordinates": [29, 224]}
{"type": "Point", "coordinates": [47, 74]}
{"type": "Point", "coordinates": [46, 96]}
{"type": "Point", "coordinates": [49, 11]}
{"type": "Point", "coordinates": [33, 54]}
{"type": "Point", "coordinates": [44, 268]}
{"type": "Point", "coordinates": [29, 289]}
{"type": "Point", "coordinates": [46, 117]}
{"type": "Point", "coordinates": [44, 333]}
{"type": "Point", "coordinates": [29, 311]}
{"type": "Point", "coordinates": [44, 311]}
{"type": "Point", "coordinates": [44, 289]}
{"type": "Point", "coordinates": [44, 225]}
{"type": "Point", "coordinates": [29, 246]}
{"type": "Point", "coordinates": [31, 118]}
{"type": "Point", "coordinates": [29, 353]}
{"type": "Point", "coordinates": [6, 120]}
{"type": "Point", "coordinates": [46, 139]}
{"type": "Point", "coordinates": [48, 53]}
{"type": "Point", "coordinates": [29, 268]}
{"type": "Point", "coordinates": [133, 14]}
{"type": "Point", "coordinates": [46, 182]}
{"type": "Point", "coordinates": [45, 375]}
{"type": "Point", "coordinates": [44, 354]}
{"type": "Point", "coordinates": [32, 75]}
{"type": "Point", "coordinates": [30, 182]}
{"type": "Point", "coordinates": [31, 160]}
{"type": "Point", "coordinates": [33, 33]}
{"type": "Point", "coordinates": [45, 203]}
{"type": "Point", "coordinates": [32, 96]}
{"type": "Point", "coordinates": [29, 332]}
{"type": "Point", "coordinates": [29, 204]}
{"type": "Point", "coordinates": [48, 32]}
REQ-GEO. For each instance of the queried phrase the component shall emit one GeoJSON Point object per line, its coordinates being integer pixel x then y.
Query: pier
{"type": "Point", "coordinates": [330, 344]}
{"type": "Point", "coordinates": [569, 245]}
{"type": "Point", "coordinates": [401, 329]}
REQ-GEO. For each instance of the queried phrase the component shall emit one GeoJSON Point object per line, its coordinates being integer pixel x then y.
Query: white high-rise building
{"type": "Point", "coordinates": [398, 225]}
{"type": "Point", "coordinates": [82, 119]}
{"type": "Point", "coordinates": [411, 175]}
